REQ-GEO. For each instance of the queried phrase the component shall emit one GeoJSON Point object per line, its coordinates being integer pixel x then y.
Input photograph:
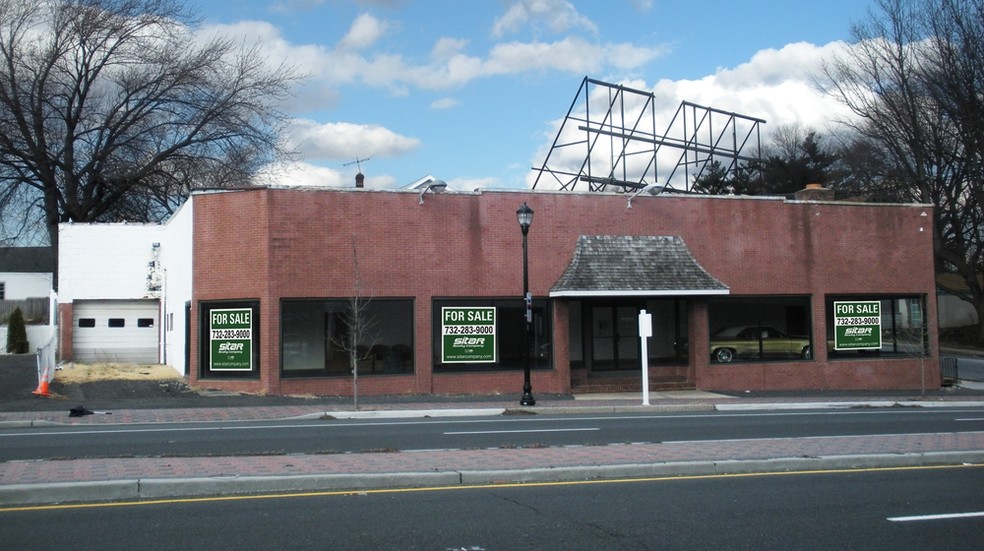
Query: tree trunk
{"type": "Point", "coordinates": [354, 362]}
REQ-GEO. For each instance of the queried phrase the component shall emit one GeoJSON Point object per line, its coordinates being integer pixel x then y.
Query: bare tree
{"type": "Point", "coordinates": [914, 79]}
{"type": "Point", "coordinates": [113, 110]}
{"type": "Point", "coordinates": [357, 336]}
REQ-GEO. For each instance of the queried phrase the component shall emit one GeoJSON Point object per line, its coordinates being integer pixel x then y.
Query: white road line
{"type": "Point", "coordinates": [518, 431]}
{"type": "Point", "coordinates": [936, 517]}
{"type": "Point", "coordinates": [768, 438]}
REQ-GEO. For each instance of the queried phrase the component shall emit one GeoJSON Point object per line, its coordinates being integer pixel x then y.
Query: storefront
{"type": "Point", "coordinates": [422, 293]}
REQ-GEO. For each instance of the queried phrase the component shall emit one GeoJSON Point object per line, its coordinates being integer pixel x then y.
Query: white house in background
{"type": "Point", "coordinates": [116, 284]}
{"type": "Point", "coordinates": [26, 272]}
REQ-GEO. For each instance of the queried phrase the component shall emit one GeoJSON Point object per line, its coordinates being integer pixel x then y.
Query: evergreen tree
{"type": "Point", "coordinates": [17, 333]}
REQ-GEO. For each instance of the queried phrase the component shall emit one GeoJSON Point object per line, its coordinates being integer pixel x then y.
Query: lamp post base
{"type": "Point", "coordinates": [527, 399]}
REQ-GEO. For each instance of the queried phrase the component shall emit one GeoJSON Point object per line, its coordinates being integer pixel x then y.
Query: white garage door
{"type": "Point", "coordinates": [118, 331]}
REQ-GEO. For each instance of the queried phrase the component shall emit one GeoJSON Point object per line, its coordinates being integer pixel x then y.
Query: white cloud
{"type": "Point", "coordinates": [342, 140]}
{"type": "Point", "coordinates": [364, 32]}
{"type": "Point", "coordinates": [444, 103]}
{"type": "Point", "coordinates": [559, 16]}
{"type": "Point", "coordinates": [354, 62]}
{"type": "Point", "coordinates": [775, 85]}
{"type": "Point", "coordinates": [447, 47]}
{"type": "Point", "coordinates": [570, 55]}
{"type": "Point", "coordinates": [306, 174]}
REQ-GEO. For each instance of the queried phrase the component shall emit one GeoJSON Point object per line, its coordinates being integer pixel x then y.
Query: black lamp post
{"type": "Point", "coordinates": [525, 216]}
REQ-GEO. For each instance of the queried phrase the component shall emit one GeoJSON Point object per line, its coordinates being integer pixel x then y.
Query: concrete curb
{"type": "Point", "coordinates": [28, 423]}
{"type": "Point", "coordinates": [615, 408]}
{"type": "Point", "coordinates": [162, 488]}
{"type": "Point", "coordinates": [402, 413]}
{"type": "Point", "coordinates": [847, 405]}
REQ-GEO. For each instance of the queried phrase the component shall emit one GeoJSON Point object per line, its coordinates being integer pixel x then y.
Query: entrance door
{"type": "Point", "coordinates": [615, 338]}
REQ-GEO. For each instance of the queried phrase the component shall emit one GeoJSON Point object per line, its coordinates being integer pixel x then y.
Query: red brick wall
{"type": "Point", "coordinates": [66, 332]}
{"type": "Point", "coordinates": [270, 244]}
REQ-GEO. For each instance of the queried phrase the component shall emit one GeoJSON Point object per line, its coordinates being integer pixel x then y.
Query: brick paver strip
{"type": "Point", "coordinates": [79, 470]}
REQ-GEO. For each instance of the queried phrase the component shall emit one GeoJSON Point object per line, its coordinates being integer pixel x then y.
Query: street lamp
{"type": "Point", "coordinates": [525, 216]}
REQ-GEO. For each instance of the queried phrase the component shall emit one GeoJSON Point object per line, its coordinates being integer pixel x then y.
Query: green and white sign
{"type": "Point", "coordinates": [468, 334]}
{"type": "Point", "coordinates": [231, 339]}
{"type": "Point", "coordinates": [857, 325]}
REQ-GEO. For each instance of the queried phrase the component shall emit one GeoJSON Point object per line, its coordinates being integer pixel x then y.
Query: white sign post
{"type": "Point", "coordinates": [645, 331]}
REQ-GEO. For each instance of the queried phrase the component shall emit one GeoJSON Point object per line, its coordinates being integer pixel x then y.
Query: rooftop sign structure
{"type": "Point", "coordinates": [610, 138]}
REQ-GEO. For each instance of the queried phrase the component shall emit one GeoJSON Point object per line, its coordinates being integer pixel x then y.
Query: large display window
{"type": "Point", "coordinates": [744, 329]}
{"type": "Point", "coordinates": [509, 332]}
{"type": "Point", "coordinates": [317, 336]}
{"type": "Point", "coordinates": [899, 320]}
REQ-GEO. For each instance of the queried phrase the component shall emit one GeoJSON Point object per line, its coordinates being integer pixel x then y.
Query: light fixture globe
{"type": "Point", "coordinates": [525, 216]}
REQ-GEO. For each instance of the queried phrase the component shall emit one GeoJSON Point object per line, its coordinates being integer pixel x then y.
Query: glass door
{"type": "Point", "coordinates": [615, 338]}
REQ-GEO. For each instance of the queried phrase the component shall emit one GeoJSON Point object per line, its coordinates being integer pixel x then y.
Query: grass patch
{"type": "Point", "coordinates": [87, 373]}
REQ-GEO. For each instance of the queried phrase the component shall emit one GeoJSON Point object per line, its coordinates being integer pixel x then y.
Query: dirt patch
{"type": "Point", "coordinates": [88, 373]}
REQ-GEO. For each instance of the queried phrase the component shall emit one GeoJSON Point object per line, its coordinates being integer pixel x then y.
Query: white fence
{"type": "Point", "coordinates": [38, 336]}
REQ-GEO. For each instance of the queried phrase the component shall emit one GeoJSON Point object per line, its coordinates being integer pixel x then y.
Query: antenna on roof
{"type": "Point", "coordinates": [358, 162]}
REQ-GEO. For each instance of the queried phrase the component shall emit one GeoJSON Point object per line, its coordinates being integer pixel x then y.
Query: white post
{"type": "Point", "coordinates": [52, 307]}
{"type": "Point", "coordinates": [645, 331]}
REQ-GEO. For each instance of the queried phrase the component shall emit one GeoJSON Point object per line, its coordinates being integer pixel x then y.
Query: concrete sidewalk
{"type": "Point", "coordinates": [85, 480]}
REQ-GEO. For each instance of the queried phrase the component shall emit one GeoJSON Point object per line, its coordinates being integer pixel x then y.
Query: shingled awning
{"type": "Point", "coordinates": [615, 266]}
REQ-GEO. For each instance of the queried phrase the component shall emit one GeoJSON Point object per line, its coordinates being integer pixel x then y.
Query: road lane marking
{"type": "Point", "coordinates": [405, 490]}
{"type": "Point", "coordinates": [945, 516]}
{"type": "Point", "coordinates": [221, 425]}
{"type": "Point", "coordinates": [518, 431]}
{"type": "Point", "coordinates": [844, 436]}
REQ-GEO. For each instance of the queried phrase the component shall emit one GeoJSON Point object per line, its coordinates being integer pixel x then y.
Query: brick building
{"type": "Point", "coordinates": [742, 291]}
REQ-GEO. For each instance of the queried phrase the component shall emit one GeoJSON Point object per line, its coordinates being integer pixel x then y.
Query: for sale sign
{"type": "Point", "coordinates": [857, 325]}
{"type": "Point", "coordinates": [231, 339]}
{"type": "Point", "coordinates": [468, 334]}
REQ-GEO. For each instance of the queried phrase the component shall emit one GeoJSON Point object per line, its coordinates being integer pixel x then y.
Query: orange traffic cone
{"type": "Point", "coordinates": [42, 389]}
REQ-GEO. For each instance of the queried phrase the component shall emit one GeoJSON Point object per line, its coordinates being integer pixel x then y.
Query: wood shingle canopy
{"type": "Point", "coordinates": [605, 265]}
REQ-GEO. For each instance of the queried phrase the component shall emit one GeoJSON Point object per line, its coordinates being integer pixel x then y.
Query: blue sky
{"type": "Point", "coordinates": [471, 91]}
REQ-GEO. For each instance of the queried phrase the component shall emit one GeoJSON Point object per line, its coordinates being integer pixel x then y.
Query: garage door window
{"type": "Point", "coordinates": [145, 322]}
{"type": "Point", "coordinates": [87, 322]}
{"type": "Point", "coordinates": [117, 322]}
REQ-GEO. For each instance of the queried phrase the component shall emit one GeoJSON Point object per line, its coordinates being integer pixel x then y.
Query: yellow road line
{"type": "Point", "coordinates": [328, 493]}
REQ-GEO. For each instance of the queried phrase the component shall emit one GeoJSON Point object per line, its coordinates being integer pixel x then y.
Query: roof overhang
{"type": "Point", "coordinates": [639, 293]}
{"type": "Point", "coordinates": [634, 266]}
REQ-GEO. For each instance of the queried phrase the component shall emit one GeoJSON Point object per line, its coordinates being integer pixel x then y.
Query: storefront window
{"type": "Point", "coordinates": [316, 337]}
{"type": "Point", "coordinates": [760, 329]}
{"type": "Point", "coordinates": [902, 327]}
{"type": "Point", "coordinates": [670, 329]}
{"type": "Point", "coordinates": [510, 335]}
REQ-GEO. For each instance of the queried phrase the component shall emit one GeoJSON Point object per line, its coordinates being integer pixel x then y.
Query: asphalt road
{"type": "Point", "coordinates": [898, 509]}
{"type": "Point", "coordinates": [342, 436]}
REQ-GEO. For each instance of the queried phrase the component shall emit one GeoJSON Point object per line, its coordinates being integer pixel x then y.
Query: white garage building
{"type": "Point", "coordinates": [114, 281]}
